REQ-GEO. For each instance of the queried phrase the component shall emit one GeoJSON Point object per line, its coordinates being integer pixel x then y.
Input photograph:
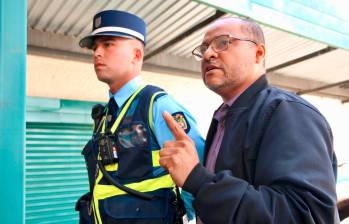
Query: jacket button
{"type": "Point", "coordinates": [138, 209]}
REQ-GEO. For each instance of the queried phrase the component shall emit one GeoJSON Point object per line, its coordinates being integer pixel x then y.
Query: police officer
{"type": "Point", "coordinates": [127, 184]}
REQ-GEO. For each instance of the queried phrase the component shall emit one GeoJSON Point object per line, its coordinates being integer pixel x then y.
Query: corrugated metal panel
{"type": "Point", "coordinates": [55, 172]}
{"type": "Point", "coordinates": [165, 19]}
{"type": "Point", "coordinates": [283, 47]}
{"type": "Point", "coordinates": [181, 18]}
{"type": "Point", "coordinates": [168, 19]}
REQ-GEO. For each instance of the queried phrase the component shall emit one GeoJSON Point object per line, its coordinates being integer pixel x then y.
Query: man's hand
{"type": "Point", "coordinates": [179, 157]}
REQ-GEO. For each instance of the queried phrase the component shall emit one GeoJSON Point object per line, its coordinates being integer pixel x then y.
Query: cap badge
{"type": "Point", "coordinates": [98, 22]}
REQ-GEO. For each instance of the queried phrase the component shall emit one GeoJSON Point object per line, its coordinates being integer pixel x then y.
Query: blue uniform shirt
{"type": "Point", "coordinates": [161, 131]}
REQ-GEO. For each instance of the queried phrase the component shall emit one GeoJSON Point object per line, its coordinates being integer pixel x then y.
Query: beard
{"type": "Point", "coordinates": [221, 87]}
{"type": "Point", "coordinates": [224, 82]}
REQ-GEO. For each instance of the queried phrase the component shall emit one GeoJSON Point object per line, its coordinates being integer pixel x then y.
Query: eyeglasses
{"type": "Point", "coordinates": [218, 44]}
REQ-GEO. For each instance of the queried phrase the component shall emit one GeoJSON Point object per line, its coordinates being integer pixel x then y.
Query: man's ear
{"type": "Point", "coordinates": [260, 53]}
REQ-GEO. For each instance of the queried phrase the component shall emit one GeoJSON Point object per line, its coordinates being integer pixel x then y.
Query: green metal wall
{"type": "Point", "coordinates": [55, 172]}
{"type": "Point", "coordinates": [13, 41]}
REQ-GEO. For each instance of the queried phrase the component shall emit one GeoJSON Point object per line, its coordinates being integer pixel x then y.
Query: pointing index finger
{"type": "Point", "coordinates": [176, 130]}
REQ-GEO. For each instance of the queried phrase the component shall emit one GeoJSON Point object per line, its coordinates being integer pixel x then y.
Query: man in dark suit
{"type": "Point", "coordinates": [268, 153]}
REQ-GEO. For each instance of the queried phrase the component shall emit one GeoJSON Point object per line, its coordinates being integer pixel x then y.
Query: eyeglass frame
{"type": "Point", "coordinates": [231, 39]}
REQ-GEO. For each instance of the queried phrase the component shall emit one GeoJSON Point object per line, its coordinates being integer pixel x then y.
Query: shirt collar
{"type": "Point", "coordinates": [126, 91]}
{"type": "Point", "coordinates": [231, 101]}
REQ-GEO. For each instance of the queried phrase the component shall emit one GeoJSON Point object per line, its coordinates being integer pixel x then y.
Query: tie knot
{"type": "Point", "coordinates": [112, 105]}
{"type": "Point", "coordinates": [112, 102]}
{"type": "Point", "coordinates": [221, 112]}
{"type": "Point", "coordinates": [112, 110]}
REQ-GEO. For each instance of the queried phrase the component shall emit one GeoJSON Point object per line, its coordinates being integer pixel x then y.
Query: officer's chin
{"type": "Point", "coordinates": [103, 78]}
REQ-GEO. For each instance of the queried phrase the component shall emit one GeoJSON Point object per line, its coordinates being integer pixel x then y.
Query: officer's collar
{"type": "Point", "coordinates": [126, 91]}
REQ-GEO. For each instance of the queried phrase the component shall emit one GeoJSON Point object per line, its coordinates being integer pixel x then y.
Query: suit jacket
{"type": "Point", "coordinates": [276, 163]}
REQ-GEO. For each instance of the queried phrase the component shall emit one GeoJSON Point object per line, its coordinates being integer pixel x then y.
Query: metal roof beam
{"type": "Point", "coordinates": [296, 84]}
{"type": "Point", "coordinates": [301, 92]}
{"type": "Point", "coordinates": [346, 100]}
{"type": "Point", "coordinates": [182, 66]}
{"type": "Point", "coordinates": [301, 59]}
{"type": "Point", "coordinates": [185, 34]}
{"type": "Point", "coordinates": [54, 41]}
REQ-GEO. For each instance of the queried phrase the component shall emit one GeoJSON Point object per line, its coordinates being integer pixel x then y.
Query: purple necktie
{"type": "Point", "coordinates": [217, 140]}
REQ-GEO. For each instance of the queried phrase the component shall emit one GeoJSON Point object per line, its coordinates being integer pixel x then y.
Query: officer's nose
{"type": "Point", "coordinates": [97, 51]}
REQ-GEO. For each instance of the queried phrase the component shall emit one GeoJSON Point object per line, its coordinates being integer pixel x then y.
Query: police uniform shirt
{"type": "Point", "coordinates": [161, 131]}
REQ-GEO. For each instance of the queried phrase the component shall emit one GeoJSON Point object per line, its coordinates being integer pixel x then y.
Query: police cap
{"type": "Point", "coordinates": [115, 23]}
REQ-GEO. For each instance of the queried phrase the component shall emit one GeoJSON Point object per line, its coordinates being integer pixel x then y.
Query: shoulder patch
{"type": "Point", "coordinates": [182, 121]}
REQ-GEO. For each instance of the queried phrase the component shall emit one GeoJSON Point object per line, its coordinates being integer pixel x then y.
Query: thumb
{"type": "Point", "coordinates": [174, 127]}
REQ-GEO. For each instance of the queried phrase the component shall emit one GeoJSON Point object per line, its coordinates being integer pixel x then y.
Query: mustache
{"type": "Point", "coordinates": [210, 66]}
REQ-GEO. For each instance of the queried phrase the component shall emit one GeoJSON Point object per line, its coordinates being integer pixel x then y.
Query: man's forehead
{"type": "Point", "coordinates": [222, 27]}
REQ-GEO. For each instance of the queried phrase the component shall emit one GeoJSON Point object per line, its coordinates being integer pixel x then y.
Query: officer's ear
{"type": "Point", "coordinates": [138, 53]}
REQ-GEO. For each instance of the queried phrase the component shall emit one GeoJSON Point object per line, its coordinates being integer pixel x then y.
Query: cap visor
{"type": "Point", "coordinates": [89, 40]}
